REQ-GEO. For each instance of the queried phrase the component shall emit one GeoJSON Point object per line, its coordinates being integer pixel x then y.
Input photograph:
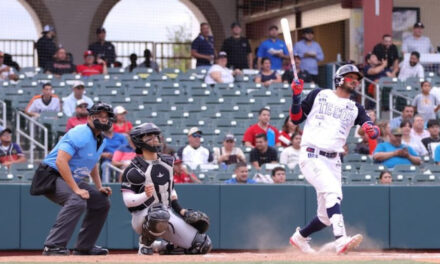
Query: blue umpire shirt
{"type": "Point", "coordinates": [82, 146]}
{"type": "Point", "coordinates": [203, 46]}
{"type": "Point", "coordinates": [309, 64]}
{"type": "Point", "coordinates": [264, 51]}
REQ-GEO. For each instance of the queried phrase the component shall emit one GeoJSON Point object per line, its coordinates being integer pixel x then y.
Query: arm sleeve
{"type": "Point", "coordinates": [319, 53]}
{"type": "Point", "coordinates": [437, 154]}
{"type": "Point", "coordinates": [283, 157]}
{"type": "Point", "coordinates": [421, 72]}
{"type": "Point", "coordinates": [414, 102]}
{"type": "Point", "coordinates": [260, 53]}
{"type": "Point", "coordinates": [248, 135]}
{"type": "Point", "coordinates": [117, 155]}
{"type": "Point", "coordinates": [362, 115]}
{"type": "Point", "coordinates": [252, 155]}
{"type": "Point", "coordinates": [379, 148]}
{"type": "Point", "coordinates": [299, 112]}
{"type": "Point", "coordinates": [31, 107]}
{"type": "Point", "coordinates": [286, 52]}
{"type": "Point", "coordinates": [404, 46]}
{"type": "Point", "coordinates": [195, 44]}
{"type": "Point", "coordinates": [412, 152]}
{"type": "Point", "coordinates": [132, 199]}
{"type": "Point", "coordinates": [18, 149]}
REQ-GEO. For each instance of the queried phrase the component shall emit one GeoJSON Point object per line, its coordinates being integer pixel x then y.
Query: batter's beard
{"type": "Point", "coordinates": [348, 89]}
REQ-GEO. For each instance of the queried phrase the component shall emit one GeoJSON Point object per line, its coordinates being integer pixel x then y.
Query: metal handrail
{"type": "Point", "coordinates": [392, 110]}
{"type": "Point", "coordinates": [3, 120]}
{"type": "Point", "coordinates": [31, 136]}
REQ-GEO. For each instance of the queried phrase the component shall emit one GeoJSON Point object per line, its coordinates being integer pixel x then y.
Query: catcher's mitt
{"type": "Point", "coordinates": [197, 219]}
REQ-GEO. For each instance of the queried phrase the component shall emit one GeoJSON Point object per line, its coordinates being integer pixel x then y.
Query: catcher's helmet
{"type": "Point", "coordinates": [344, 70]}
{"type": "Point", "coordinates": [138, 132]}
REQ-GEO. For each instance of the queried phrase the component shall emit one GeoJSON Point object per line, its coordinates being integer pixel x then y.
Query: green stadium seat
{"type": "Point", "coordinates": [426, 179]}
{"type": "Point", "coordinates": [403, 178]}
{"type": "Point", "coordinates": [356, 158]}
{"type": "Point", "coordinates": [404, 168]}
{"type": "Point", "coordinates": [361, 178]}
{"type": "Point", "coordinates": [372, 168]}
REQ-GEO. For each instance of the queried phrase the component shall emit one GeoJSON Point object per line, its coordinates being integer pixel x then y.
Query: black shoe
{"type": "Point", "coordinates": [96, 250]}
{"type": "Point", "coordinates": [55, 251]}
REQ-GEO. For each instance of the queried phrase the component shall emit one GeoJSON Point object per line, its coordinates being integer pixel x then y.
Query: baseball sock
{"type": "Point", "coordinates": [335, 215]}
{"type": "Point", "coordinates": [314, 226]}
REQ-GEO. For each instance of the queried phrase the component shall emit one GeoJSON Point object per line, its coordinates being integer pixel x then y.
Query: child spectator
{"type": "Point", "coordinates": [10, 153]}
{"type": "Point", "coordinates": [290, 155]}
{"type": "Point", "coordinates": [385, 177]}
{"type": "Point", "coordinates": [181, 174]}
{"type": "Point", "coordinates": [279, 175]}
{"type": "Point", "coordinates": [425, 103]}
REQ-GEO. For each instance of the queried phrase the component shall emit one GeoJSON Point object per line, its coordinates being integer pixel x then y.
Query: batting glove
{"type": "Point", "coordinates": [297, 87]}
{"type": "Point", "coordinates": [371, 130]}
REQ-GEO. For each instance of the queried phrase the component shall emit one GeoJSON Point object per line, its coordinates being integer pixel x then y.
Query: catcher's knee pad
{"type": "Point", "coordinates": [201, 245]}
{"type": "Point", "coordinates": [156, 223]}
{"type": "Point", "coordinates": [331, 199]}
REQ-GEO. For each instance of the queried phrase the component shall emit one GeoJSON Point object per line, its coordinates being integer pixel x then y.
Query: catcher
{"type": "Point", "coordinates": [148, 192]}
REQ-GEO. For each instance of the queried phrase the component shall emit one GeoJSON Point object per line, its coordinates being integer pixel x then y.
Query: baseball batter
{"type": "Point", "coordinates": [148, 192]}
{"type": "Point", "coordinates": [329, 116]}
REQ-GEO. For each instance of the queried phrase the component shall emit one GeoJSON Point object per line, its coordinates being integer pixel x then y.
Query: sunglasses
{"type": "Point", "coordinates": [196, 135]}
{"type": "Point", "coordinates": [82, 106]}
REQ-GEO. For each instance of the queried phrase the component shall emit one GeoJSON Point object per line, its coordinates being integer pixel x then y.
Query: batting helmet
{"type": "Point", "coordinates": [344, 70]}
{"type": "Point", "coordinates": [102, 107]}
{"type": "Point", "coordinates": [138, 132]}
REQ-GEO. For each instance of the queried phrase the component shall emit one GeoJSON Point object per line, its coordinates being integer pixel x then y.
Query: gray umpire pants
{"type": "Point", "coordinates": [73, 206]}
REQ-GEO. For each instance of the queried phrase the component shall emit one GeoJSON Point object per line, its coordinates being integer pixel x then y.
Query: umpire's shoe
{"type": "Point", "coordinates": [96, 250]}
{"type": "Point", "coordinates": [55, 251]}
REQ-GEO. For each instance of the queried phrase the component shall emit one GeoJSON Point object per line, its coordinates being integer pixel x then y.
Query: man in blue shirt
{"type": "Point", "coordinates": [274, 49]}
{"type": "Point", "coordinates": [394, 152]}
{"type": "Point", "coordinates": [202, 48]}
{"type": "Point", "coordinates": [73, 159]}
{"type": "Point", "coordinates": [310, 52]}
{"type": "Point", "coordinates": [241, 174]}
{"type": "Point", "coordinates": [113, 141]}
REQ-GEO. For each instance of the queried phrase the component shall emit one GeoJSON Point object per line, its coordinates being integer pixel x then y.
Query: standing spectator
{"type": "Point", "coordinates": [310, 53]}
{"type": "Point", "coordinates": [434, 137]}
{"type": "Point", "coordinates": [218, 73]}
{"type": "Point", "coordinates": [60, 64]}
{"type": "Point", "coordinates": [113, 141]}
{"type": "Point", "coordinates": [279, 175]}
{"type": "Point", "coordinates": [267, 76]}
{"type": "Point", "coordinates": [122, 125]}
{"type": "Point", "coordinates": [102, 49]}
{"type": "Point", "coordinates": [194, 154]}
{"type": "Point", "coordinates": [10, 152]}
{"type": "Point", "coordinates": [181, 174]}
{"type": "Point", "coordinates": [385, 177]}
{"type": "Point", "coordinates": [274, 49]}
{"type": "Point", "coordinates": [388, 51]}
{"type": "Point", "coordinates": [411, 141]}
{"type": "Point", "coordinates": [70, 102]}
{"type": "Point", "coordinates": [241, 175]}
{"type": "Point", "coordinates": [419, 132]}
{"type": "Point", "coordinates": [287, 131]}
{"type": "Point", "coordinates": [417, 42]}
{"type": "Point", "coordinates": [261, 127]}
{"type": "Point", "coordinates": [89, 67]}
{"type": "Point", "coordinates": [262, 153]}
{"type": "Point", "coordinates": [202, 48]}
{"type": "Point", "coordinates": [407, 114]}
{"type": "Point", "coordinates": [80, 117]}
{"type": "Point", "coordinates": [411, 68]}
{"type": "Point", "coordinates": [133, 62]}
{"type": "Point", "coordinates": [6, 72]}
{"type": "Point", "coordinates": [44, 102]}
{"type": "Point", "coordinates": [290, 155]}
{"type": "Point", "coordinates": [426, 103]}
{"type": "Point", "coordinates": [46, 47]}
{"type": "Point", "coordinates": [228, 154]}
{"type": "Point", "coordinates": [149, 62]}
{"type": "Point", "coordinates": [302, 74]}
{"type": "Point", "coordinates": [238, 49]}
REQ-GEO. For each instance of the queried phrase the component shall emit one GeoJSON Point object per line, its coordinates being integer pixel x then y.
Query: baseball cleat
{"type": "Point", "coordinates": [95, 250]}
{"type": "Point", "coordinates": [301, 243]}
{"type": "Point", "coordinates": [144, 250]}
{"type": "Point", "coordinates": [55, 251]}
{"type": "Point", "coordinates": [346, 243]}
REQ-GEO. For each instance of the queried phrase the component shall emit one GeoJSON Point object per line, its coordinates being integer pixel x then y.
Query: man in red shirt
{"type": "Point", "coordinates": [89, 68]}
{"type": "Point", "coordinates": [181, 175]}
{"type": "Point", "coordinates": [261, 127]}
{"type": "Point", "coordinates": [80, 117]}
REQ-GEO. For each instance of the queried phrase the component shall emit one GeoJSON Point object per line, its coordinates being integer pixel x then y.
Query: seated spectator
{"type": "Point", "coordinates": [411, 141]}
{"type": "Point", "coordinates": [288, 129]}
{"type": "Point", "coordinates": [394, 152]}
{"type": "Point", "coordinates": [10, 153]}
{"type": "Point", "coordinates": [432, 141]}
{"type": "Point", "coordinates": [70, 102]}
{"type": "Point", "coordinates": [417, 42]}
{"type": "Point", "coordinates": [302, 74]}
{"type": "Point", "coordinates": [113, 141]}
{"type": "Point", "coordinates": [279, 175]}
{"type": "Point", "coordinates": [387, 50]}
{"type": "Point", "coordinates": [181, 174]}
{"type": "Point", "coordinates": [418, 131]}
{"type": "Point", "coordinates": [89, 67]}
{"type": "Point", "coordinates": [262, 153]}
{"type": "Point", "coordinates": [229, 153]}
{"type": "Point", "coordinates": [121, 125]}
{"type": "Point", "coordinates": [103, 49]}
{"type": "Point", "coordinates": [425, 103]}
{"type": "Point", "coordinates": [290, 155]}
{"type": "Point", "coordinates": [123, 156]}
{"type": "Point", "coordinates": [218, 73]}
{"type": "Point", "coordinates": [411, 68]}
{"type": "Point", "coordinates": [133, 63]}
{"type": "Point", "coordinates": [60, 64]}
{"type": "Point", "coordinates": [167, 149]}
{"type": "Point", "coordinates": [8, 61]}
{"type": "Point", "coordinates": [81, 114]}
{"type": "Point", "coordinates": [6, 72]}
{"type": "Point", "coordinates": [149, 62]}
{"type": "Point", "coordinates": [267, 76]}
{"type": "Point", "coordinates": [385, 177]}
{"type": "Point", "coordinates": [194, 154]}
{"type": "Point", "coordinates": [375, 69]}
{"type": "Point", "coordinates": [385, 129]}
{"type": "Point", "coordinates": [241, 174]}
{"type": "Point", "coordinates": [44, 102]}
{"type": "Point", "coordinates": [364, 147]}
{"type": "Point", "coordinates": [262, 126]}
{"type": "Point", "coordinates": [407, 114]}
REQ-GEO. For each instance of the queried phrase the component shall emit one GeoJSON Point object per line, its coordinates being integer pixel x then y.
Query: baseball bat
{"type": "Point", "coordinates": [288, 39]}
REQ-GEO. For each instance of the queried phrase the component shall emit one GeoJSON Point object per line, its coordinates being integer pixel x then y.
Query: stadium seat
{"type": "Point", "coordinates": [404, 168]}
{"type": "Point", "coordinates": [372, 168]}
{"type": "Point", "coordinates": [356, 158]}
{"type": "Point", "coordinates": [429, 178]}
{"type": "Point", "coordinates": [361, 178]}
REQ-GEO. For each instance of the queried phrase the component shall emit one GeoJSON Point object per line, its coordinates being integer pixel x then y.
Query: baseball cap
{"type": "Point", "coordinates": [396, 131]}
{"type": "Point", "coordinates": [81, 102]}
{"type": "Point", "coordinates": [419, 25]}
{"type": "Point", "coordinates": [222, 54]}
{"type": "Point", "coordinates": [88, 53]}
{"type": "Point", "coordinates": [229, 136]}
{"type": "Point", "coordinates": [235, 24]}
{"type": "Point", "coordinates": [308, 30]}
{"type": "Point", "coordinates": [100, 30]}
{"type": "Point", "coordinates": [119, 110]}
{"type": "Point", "coordinates": [48, 28]}
{"type": "Point", "coordinates": [194, 130]}
{"type": "Point", "coordinates": [178, 161]}
{"type": "Point", "coordinates": [77, 84]}
{"type": "Point", "coordinates": [6, 130]}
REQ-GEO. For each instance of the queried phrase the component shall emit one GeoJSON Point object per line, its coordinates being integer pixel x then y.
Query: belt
{"type": "Point", "coordinates": [329, 155]}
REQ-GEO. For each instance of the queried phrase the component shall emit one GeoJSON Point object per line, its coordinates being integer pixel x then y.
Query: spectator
{"type": "Point", "coordinates": [238, 49]}
{"type": "Point", "coordinates": [6, 72]}
{"type": "Point", "coordinates": [10, 153]}
{"type": "Point", "coordinates": [411, 68]}
{"type": "Point", "coordinates": [432, 141]}
{"type": "Point", "coordinates": [46, 47]}
{"type": "Point", "coordinates": [302, 74]}
{"type": "Point", "coordinates": [149, 62]}
{"type": "Point", "coordinates": [113, 141]}
{"type": "Point", "coordinates": [89, 67]}
{"type": "Point", "coordinates": [60, 64]}
{"type": "Point", "coordinates": [241, 175]}
{"type": "Point", "coordinates": [394, 152]}
{"type": "Point", "coordinates": [133, 63]}
{"type": "Point", "coordinates": [229, 153]}
{"type": "Point", "coordinates": [407, 114]}
{"type": "Point", "coordinates": [181, 174]}
{"type": "Point", "coordinates": [279, 175]}
{"type": "Point", "coordinates": [194, 154]}
{"type": "Point", "coordinates": [388, 51]}
{"type": "Point", "coordinates": [70, 102]}
{"type": "Point", "coordinates": [290, 155]}
{"type": "Point", "coordinates": [262, 153]}
{"type": "Point", "coordinates": [385, 177]}
{"type": "Point", "coordinates": [375, 69]}
{"type": "Point", "coordinates": [122, 125]}
{"type": "Point", "coordinates": [419, 132]}
{"type": "Point", "coordinates": [44, 102]}
{"type": "Point", "coordinates": [80, 117]}
{"type": "Point", "coordinates": [218, 73]}
{"type": "Point", "coordinates": [102, 49]}
{"type": "Point", "coordinates": [426, 103]}
{"type": "Point", "coordinates": [262, 126]}
{"type": "Point", "coordinates": [364, 146]}
{"type": "Point", "coordinates": [123, 156]}
{"type": "Point", "coordinates": [274, 49]}
{"type": "Point", "coordinates": [310, 53]}
{"type": "Point", "coordinates": [202, 48]}
{"type": "Point", "coordinates": [267, 76]}
{"type": "Point", "coordinates": [287, 131]}
{"type": "Point", "coordinates": [411, 141]}
{"type": "Point", "coordinates": [417, 42]}
{"type": "Point", "coordinates": [167, 149]}
{"type": "Point", "coordinates": [385, 131]}
{"type": "Point", "coordinates": [7, 60]}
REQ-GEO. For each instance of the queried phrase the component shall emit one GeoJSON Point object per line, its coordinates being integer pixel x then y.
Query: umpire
{"type": "Point", "coordinates": [71, 161]}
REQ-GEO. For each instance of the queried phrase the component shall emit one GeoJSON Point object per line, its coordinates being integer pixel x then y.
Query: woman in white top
{"type": "Point", "coordinates": [218, 73]}
{"type": "Point", "coordinates": [290, 155]}
{"type": "Point", "coordinates": [411, 141]}
{"type": "Point", "coordinates": [228, 154]}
